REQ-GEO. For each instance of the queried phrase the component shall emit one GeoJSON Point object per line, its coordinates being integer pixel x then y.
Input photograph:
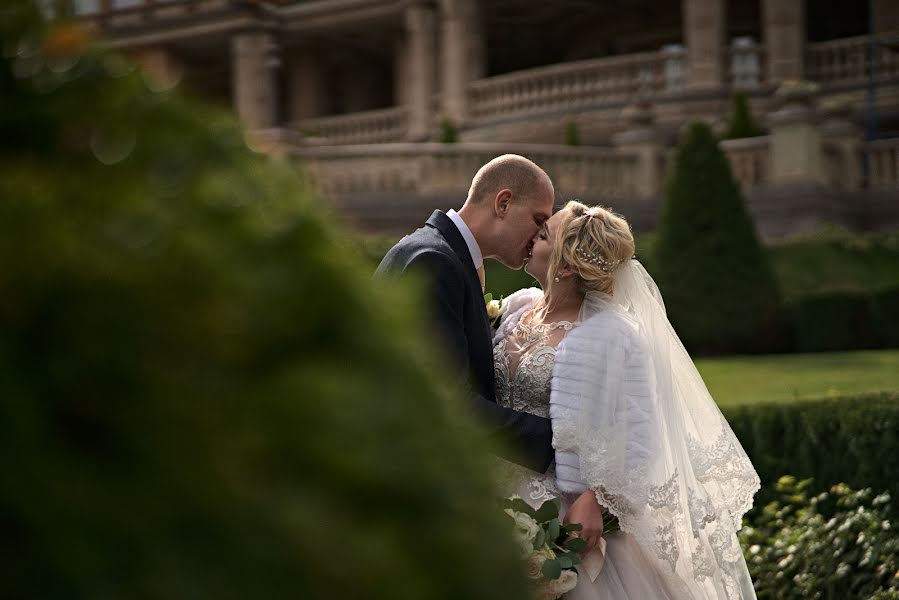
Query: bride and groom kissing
{"type": "Point", "coordinates": [586, 385]}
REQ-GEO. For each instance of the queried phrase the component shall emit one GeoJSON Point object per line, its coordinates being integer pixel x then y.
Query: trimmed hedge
{"type": "Point", "coordinates": [853, 320]}
{"type": "Point", "coordinates": [719, 287]}
{"type": "Point", "coordinates": [849, 439]}
{"type": "Point", "coordinates": [883, 309]}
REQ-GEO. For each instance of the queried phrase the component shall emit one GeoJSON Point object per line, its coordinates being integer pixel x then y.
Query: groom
{"type": "Point", "coordinates": [509, 201]}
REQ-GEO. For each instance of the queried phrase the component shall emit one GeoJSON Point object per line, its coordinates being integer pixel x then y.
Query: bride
{"type": "Point", "coordinates": [631, 417]}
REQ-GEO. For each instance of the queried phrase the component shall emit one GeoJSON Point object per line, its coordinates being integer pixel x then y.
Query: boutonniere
{"type": "Point", "coordinates": [495, 309]}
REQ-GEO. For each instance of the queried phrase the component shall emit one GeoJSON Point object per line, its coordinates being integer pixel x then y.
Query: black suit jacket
{"type": "Point", "coordinates": [439, 251]}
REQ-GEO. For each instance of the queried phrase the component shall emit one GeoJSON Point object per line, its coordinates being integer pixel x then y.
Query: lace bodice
{"type": "Point", "coordinates": [523, 363]}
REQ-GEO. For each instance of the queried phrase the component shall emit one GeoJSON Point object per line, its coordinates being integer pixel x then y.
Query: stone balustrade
{"type": "Point", "coordinates": [845, 61]}
{"type": "Point", "coordinates": [882, 157]}
{"type": "Point", "coordinates": [749, 158]}
{"type": "Point", "coordinates": [447, 169]}
{"type": "Point", "coordinates": [136, 12]}
{"type": "Point", "coordinates": [368, 127]}
{"type": "Point", "coordinates": [571, 85]}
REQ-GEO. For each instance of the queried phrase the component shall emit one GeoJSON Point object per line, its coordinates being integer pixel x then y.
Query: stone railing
{"type": "Point", "coordinates": [572, 85]}
{"type": "Point", "coordinates": [845, 61]}
{"type": "Point", "coordinates": [447, 169]}
{"type": "Point", "coordinates": [882, 158]}
{"type": "Point", "coordinates": [109, 13]}
{"type": "Point", "coordinates": [369, 127]}
{"type": "Point", "coordinates": [749, 158]}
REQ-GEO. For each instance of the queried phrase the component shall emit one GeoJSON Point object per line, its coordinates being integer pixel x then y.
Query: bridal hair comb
{"type": "Point", "coordinates": [596, 259]}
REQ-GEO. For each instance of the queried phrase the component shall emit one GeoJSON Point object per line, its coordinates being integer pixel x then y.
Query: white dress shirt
{"type": "Point", "coordinates": [468, 236]}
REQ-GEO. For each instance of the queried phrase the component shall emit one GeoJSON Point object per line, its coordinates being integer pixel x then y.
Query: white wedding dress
{"type": "Point", "coordinates": [678, 498]}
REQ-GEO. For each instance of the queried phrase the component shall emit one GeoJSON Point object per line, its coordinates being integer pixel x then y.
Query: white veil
{"type": "Point", "coordinates": [628, 401]}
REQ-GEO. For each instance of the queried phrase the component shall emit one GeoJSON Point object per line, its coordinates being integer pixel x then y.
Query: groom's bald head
{"type": "Point", "coordinates": [510, 172]}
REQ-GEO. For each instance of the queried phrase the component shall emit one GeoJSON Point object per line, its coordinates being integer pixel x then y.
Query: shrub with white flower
{"type": "Point", "coordinates": [833, 545]}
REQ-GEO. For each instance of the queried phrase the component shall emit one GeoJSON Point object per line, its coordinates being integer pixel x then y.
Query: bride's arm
{"type": "Point", "coordinates": [601, 408]}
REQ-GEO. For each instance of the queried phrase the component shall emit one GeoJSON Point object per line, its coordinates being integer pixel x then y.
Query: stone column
{"type": "Point", "coordinates": [462, 55]}
{"type": "Point", "coordinates": [796, 155]}
{"type": "Point", "coordinates": [643, 139]}
{"type": "Point", "coordinates": [401, 74]}
{"type": "Point", "coordinates": [253, 78]}
{"type": "Point", "coordinates": [305, 86]}
{"type": "Point", "coordinates": [783, 29]}
{"type": "Point", "coordinates": [421, 50]}
{"type": "Point", "coordinates": [705, 30]}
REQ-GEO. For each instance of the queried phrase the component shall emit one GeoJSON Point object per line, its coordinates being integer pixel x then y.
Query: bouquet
{"type": "Point", "coordinates": [550, 549]}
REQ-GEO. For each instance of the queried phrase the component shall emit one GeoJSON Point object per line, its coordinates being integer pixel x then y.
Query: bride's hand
{"type": "Point", "coordinates": [588, 512]}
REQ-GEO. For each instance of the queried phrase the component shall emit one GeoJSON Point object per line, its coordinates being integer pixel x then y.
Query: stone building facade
{"type": "Point", "coordinates": [358, 91]}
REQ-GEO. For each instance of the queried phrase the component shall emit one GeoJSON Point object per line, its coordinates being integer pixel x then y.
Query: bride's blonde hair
{"type": "Point", "coordinates": [594, 242]}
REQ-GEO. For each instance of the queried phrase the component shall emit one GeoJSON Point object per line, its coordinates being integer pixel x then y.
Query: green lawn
{"type": "Point", "coordinates": [777, 378]}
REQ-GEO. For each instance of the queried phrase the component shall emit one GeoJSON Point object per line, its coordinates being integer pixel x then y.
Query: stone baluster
{"type": "Point", "coordinates": [643, 139]}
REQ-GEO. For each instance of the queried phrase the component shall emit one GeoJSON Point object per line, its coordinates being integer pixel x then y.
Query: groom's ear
{"type": "Point", "coordinates": [502, 202]}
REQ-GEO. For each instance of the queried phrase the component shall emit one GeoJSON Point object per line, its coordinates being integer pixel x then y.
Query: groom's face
{"type": "Point", "coordinates": [522, 220]}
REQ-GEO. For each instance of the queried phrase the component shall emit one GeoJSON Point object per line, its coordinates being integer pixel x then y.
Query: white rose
{"type": "Point", "coordinates": [550, 589]}
{"type": "Point", "coordinates": [536, 560]}
{"type": "Point", "coordinates": [494, 309]}
{"type": "Point", "coordinates": [565, 583]}
{"type": "Point", "coordinates": [526, 528]}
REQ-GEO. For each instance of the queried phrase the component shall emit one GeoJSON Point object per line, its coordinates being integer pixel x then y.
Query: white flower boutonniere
{"type": "Point", "coordinates": [495, 309]}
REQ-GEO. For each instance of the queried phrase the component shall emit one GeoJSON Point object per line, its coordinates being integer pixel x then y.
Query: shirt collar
{"type": "Point", "coordinates": [473, 248]}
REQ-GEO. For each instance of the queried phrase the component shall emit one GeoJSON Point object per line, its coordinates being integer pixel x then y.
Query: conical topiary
{"type": "Point", "coordinates": [201, 394]}
{"type": "Point", "coordinates": [719, 289]}
{"type": "Point", "coordinates": [740, 123]}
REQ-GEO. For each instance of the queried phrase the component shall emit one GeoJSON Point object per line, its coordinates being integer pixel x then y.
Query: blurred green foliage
{"type": "Point", "coordinates": [572, 133]}
{"type": "Point", "coordinates": [202, 394]}
{"type": "Point", "coordinates": [740, 123]}
{"type": "Point", "coordinates": [719, 288]}
{"type": "Point", "coordinates": [835, 545]}
{"type": "Point", "coordinates": [850, 438]}
{"type": "Point", "coordinates": [448, 134]}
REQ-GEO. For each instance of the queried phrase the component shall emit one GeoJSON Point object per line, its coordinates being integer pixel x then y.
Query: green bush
{"type": "Point", "coordinates": [834, 545]}
{"type": "Point", "coordinates": [884, 316]}
{"type": "Point", "coordinates": [832, 322]}
{"type": "Point", "coordinates": [202, 394]}
{"type": "Point", "coordinates": [851, 439]}
{"type": "Point", "coordinates": [572, 134]}
{"type": "Point", "coordinates": [448, 132]}
{"type": "Point", "coordinates": [719, 288]}
{"type": "Point", "coordinates": [740, 123]}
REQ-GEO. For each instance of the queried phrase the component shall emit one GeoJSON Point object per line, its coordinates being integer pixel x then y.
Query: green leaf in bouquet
{"type": "Point", "coordinates": [553, 530]}
{"type": "Point", "coordinates": [552, 569]}
{"type": "Point", "coordinates": [575, 544]}
{"type": "Point", "coordinates": [575, 558]}
{"type": "Point", "coordinates": [565, 562]}
{"type": "Point", "coordinates": [519, 505]}
{"type": "Point", "coordinates": [549, 510]}
{"type": "Point", "coordinates": [488, 298]}
{"type": "Point", "coordinates": [539, 539]}
{"type": "Point", "coordinates": [572, 527]}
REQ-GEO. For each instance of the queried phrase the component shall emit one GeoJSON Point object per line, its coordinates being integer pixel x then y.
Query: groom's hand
{"type": "Point", "coordinates": [588, 512]}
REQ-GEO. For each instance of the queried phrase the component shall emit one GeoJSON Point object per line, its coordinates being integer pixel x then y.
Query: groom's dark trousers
{"type": "Point", "coordinates": [438, 252]}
